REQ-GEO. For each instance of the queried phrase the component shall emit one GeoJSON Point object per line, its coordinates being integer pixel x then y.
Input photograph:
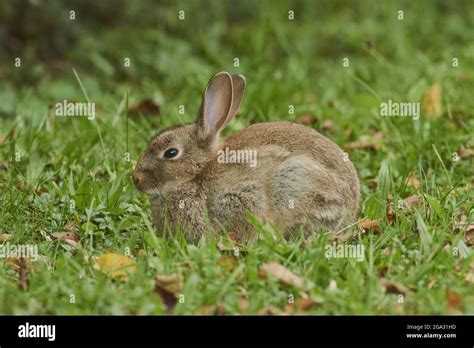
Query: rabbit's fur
{"type": "Point", "coordinates": [301, 178]}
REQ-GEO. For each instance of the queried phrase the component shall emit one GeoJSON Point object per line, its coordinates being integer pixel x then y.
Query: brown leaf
{"type": "Point", "coordinates": [222, 247]}
{"type": "Point", "coordinates": [412, 201]}
{"type": "Point", "coordinates": [389, 214]}
{"type": "Point", "coordinates": [206, 310]}
{"type": "Point", "coordinates": [244, 304]}
{"type": "Point", "coordinates": [465, 153]}
{"type": "Point", "coordinates": [71, 225]}
{"type": "Point", "coordinates": [327, 125]}
{"type": "Point", "coordinates": [300, 305]}
{"type": "Point", "coordinates": [371, 182]}
{"type": "Point", "coordinates": [393, 287]}
{"type": "Point", "coordinates": [431, 284]}
{"type": "Point", "coordinates": [234, 249]}
{"type": "Point", "coordinates": [342, 238]}
{"type": "Point", "coordinates": [21, 186]}
{"type": "Point", "coordinates": [453, 298]}
{"type": "Point", "coordinates": [40, 190]}
{"type": "Point", "coordinates": [369, 225]}
{"type": "Point", "coordinates": [468, 227]}
{"type": "Point", "coordinates": [305, 304]}
{"type": "Point", "coordinates": [283, 274]}
{"type": "Point", "coordinates": [307, 120]}
{"type": "Point", "coordinates": [432, 101]}
{"type": "Point", "coordinates": [233, 237]}
{"type": "Point", "coordinates": [171, 282]}
{"type": "Point", "coordinates": [4, 237]}
{"type": "Point", "coordinates": [144, 107]}
{"type": "Point", "coordinates": [363, 144]}
{"type": "Point", "coordinates": [69, 237]}
{"type": "Point", "coordinates": [269, 310]}
{"type": "Point", "coordinates": [24, 270]}
{"type": "Point", "coordinates": [377, 135]}
{"type": "Point", "coordinates": [167, 286]}
{"type": "Point", "coordinates": [412, 181]}
{"type": "Point", "coordinates": [13, 262]}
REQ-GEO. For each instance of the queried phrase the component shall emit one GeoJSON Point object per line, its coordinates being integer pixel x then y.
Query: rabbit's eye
{"type": "Point", "coordinates": [170, 153]}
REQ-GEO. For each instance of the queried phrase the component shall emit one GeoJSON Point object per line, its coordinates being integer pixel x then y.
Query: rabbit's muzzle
{"type": "Point", "coordinates": [141, 179]}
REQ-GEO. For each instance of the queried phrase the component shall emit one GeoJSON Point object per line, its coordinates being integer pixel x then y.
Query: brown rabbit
{"type": "Point", "coordinates": [284, 173]}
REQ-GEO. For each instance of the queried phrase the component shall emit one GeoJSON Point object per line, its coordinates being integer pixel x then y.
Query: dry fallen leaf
{"type": "Point", "coordinates": [307, 120]}
{"type": "Point", "coordinates": [115, 265]}
{"type": "Point", "coordinates": [393, 287]}
{"type": "Point", "coordinates": [377, 135]}
{"type": "Point", "coordinates": [4, 237]}
{"type": "Point", "coordinates": [13, 262]}
{"type": "Point", "coordinates": [144, 107]}
{"type": "Point", "coordinates": [432, 101]}
{"type": "Point", "coordinates": [327, 125]}
{"type": "Point", "coordinates": [389, 214]}
{"type": "Point", "coordinates": [167, 286]}
{"type": "Point", "coordinates": [371, 182]}
{"type": "Point", "coordinates": [465, 153]}
{"type": "Point", "coordinates": [40, 190]}
{"type": "Point", "coordinates": [369, 225]}
{"type": "Point", "coordinates": [283, 274]}
{"type": "Point", "coordinates": [364, 226]}
{"type": "Point", "coordinates": [468, 227]}
{"type": "Point", "coordinates": [45, 235]}
{"type": "Point", "coordinates": [270, 310]}
{"type": "Point", "coordinates": [453, 298]}
{"type": "Point", "coordinates": [24, 271]}
{"type": "Point", "coordinates": [4, 164]}
{"type": "Point", "coordinates": [171, 282]}
{"type": "Point", "coordinates": [363, 144]}
{"type": "Point", "coordinates": [244, 305]}
{"type": "Point", "coordinates": [412, 181]}
{"type": "Point", "coordinates": [412, 201]}
{"type": "Point", "coordinates": [70, 238]}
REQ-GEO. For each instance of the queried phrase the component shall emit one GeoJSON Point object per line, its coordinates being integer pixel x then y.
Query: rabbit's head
{"type": "Point", "coordinates": [178, 154]}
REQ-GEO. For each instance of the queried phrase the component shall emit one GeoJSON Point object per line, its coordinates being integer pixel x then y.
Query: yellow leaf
{"type": "Point", "coordinates": [228, 262]}
{"type": "Point", "coordinates": [115, 265]}
{"type": "Point", "coordinates": [432, 101]}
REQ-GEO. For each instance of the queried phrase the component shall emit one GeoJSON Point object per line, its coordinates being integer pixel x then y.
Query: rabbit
{"type": "Point", "coordinates": [300, 180]}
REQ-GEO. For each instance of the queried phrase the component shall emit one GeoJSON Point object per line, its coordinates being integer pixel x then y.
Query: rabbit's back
{"type": "Point", "coordinates": [299, 178]}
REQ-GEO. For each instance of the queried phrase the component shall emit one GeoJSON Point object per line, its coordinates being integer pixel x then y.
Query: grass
{"type": "Point", "coordinates": [72, 174]}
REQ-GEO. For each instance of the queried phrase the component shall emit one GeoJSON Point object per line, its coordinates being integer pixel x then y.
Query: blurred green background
{"type": "Point", "coordinates": [296, 62]}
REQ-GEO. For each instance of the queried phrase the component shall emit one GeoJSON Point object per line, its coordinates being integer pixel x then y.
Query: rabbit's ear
{"type": "Point", "coordinates": [215, 106]}
{"type": "Point", "coordinates": [238, 86]}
